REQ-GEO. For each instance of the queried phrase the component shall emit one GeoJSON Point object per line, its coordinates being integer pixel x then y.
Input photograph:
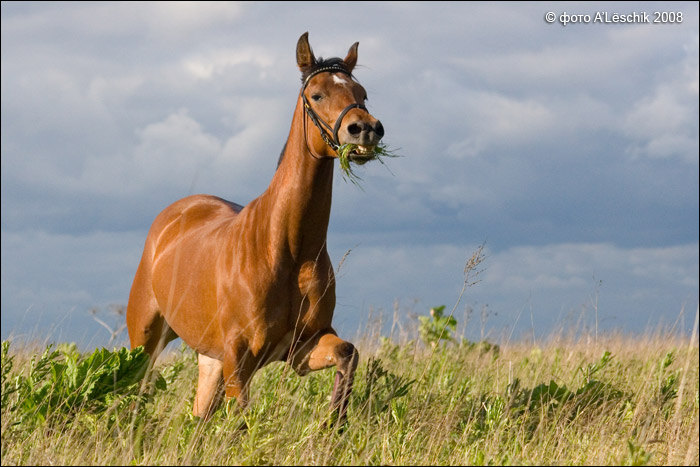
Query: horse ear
{"type": "Point", "coordinates": [351, 59]}
{"type": "Point", "coordinates": [305, 56]}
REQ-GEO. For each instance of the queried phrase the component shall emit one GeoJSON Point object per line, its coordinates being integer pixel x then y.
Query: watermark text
{"type": "Point", "coordinates": [604, 17]}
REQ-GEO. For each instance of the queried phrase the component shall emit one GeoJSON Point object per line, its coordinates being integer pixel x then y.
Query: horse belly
{"type": "Point", "coordinates": [208, 298]}
{"type": "Point", "coordinates": [185, 289]}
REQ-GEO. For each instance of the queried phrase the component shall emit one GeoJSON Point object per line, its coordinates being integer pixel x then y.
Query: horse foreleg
{"type": "Point", "coordinates": [326, 351]}
{"type": "Point", "coordinates": [238, 368]}
{"type": "Point", "coordinates": [209, 387]}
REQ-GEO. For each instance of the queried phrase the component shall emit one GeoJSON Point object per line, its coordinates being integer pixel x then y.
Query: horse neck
{"type": "Point", "coordinates": [299, 195]}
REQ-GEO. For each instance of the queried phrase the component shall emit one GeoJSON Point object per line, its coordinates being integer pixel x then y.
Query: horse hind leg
{"type": "Point", "coordinates": [153, 334]}
{"type": "Point", "coordinates": [147, 327]}
{"type": "Point", "coordinates": [145, 323]}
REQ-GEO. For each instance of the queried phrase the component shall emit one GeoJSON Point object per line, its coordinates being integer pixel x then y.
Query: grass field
{"type": "Point", "coordinates": [417, 400]}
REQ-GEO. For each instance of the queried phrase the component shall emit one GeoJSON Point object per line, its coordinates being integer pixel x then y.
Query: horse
{"type": "Point", "coordinates": [247, 286]}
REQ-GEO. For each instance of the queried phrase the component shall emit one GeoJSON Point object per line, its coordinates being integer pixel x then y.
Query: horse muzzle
{"type": "Point", "coordinates": [364, 133]}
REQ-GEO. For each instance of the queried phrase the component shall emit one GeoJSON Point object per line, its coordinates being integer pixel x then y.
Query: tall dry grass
{"type": "Point", "coordinates": [565, 400]}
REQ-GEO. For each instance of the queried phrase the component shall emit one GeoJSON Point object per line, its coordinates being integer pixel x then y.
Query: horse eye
{"type": "Point", "coordinates": [317, 97]}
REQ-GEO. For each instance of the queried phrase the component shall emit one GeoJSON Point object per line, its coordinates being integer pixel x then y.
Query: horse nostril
{"type": "Point", "coordinates": [354, 129]}
{"type": "Point", "coordinates": [379, 129]}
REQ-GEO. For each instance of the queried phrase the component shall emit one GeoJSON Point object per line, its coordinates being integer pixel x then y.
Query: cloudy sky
{"type": "Point", "coordinates": [571, 151]}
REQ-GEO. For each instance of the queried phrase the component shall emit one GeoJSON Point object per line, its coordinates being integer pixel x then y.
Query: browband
{"type": "Point", "coordinates": [323, 69]}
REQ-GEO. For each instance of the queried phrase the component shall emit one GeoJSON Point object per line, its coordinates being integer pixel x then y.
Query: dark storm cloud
{"type": "Point", "coordinates": [579, 142]}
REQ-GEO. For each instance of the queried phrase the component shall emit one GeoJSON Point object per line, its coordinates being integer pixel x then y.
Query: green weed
{"type": "Point", "coordinates": [620, 401]}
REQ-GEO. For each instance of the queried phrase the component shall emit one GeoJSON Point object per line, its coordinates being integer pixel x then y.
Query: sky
{"type": "Point", "coordinates": [568, 150]}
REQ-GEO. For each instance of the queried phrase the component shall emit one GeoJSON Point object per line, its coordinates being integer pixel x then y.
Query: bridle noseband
{"type": "Point", "coordinates": [332, 138]}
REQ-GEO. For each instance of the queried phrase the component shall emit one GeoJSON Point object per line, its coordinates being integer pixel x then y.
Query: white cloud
{"type": "Point", "coordinates": [157, 21]}
{"type": "Point", "coordinates": [574, 265]}
{"type": "Point", "coordinates": [168, 154]}
{"type": "Point", "coordinates": [544, 269]}
{"type": "Point", "coordinates": [664, 123]}
{"type": "Point", "coordinates": [498, 120]}
{"type": "Point", "coordinates": [171, 151]}
{"type": "Point", "coordinates": [218, 62]}
{"type": "Point", "coordinates": [171, 18]}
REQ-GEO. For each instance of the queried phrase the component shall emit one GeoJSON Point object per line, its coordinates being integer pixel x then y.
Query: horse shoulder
{"type": "Point", "coordinates": [315, 293]}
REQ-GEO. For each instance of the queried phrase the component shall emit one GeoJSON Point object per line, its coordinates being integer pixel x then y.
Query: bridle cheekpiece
{"type": "Point", "coordinates": [331, 139]}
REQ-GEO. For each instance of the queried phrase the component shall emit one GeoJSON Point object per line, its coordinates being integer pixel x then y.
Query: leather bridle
{"type": "Point", "coordinates": [331, 139]}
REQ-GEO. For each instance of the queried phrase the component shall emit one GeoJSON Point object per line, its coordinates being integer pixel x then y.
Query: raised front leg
{"type": "Point", "coordinates": [325, 351]}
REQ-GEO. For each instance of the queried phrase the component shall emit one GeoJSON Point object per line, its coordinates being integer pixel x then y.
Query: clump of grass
{"type": "Point", "coordinates": [345, 156]}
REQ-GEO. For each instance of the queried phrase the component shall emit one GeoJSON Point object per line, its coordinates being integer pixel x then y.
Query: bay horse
{"type": "Point", "coordinates": [246, 286]}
